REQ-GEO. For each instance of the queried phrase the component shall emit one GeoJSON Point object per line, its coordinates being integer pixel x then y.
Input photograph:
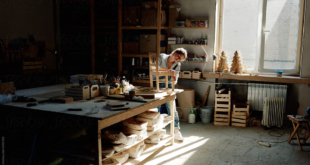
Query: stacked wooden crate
{"type": "Point", "coordinates": [222, 109]}
{"type": "Point", "coordinates": [240, 115]}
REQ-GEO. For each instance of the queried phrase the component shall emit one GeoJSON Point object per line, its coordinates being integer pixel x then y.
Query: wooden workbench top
{"type": "Point", "coordinates": [44, 93]}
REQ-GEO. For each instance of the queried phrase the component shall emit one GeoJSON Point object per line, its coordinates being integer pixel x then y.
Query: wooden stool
{"type": "Point", "coordinates": [153, 62]}
{"type": "Point", "coordinates": [299, 120]}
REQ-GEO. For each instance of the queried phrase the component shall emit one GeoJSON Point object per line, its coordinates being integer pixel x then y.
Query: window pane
{"type": "Point", "coordinates": [240, 28]}
{"type": "Point", "coordinates": [282, 19]}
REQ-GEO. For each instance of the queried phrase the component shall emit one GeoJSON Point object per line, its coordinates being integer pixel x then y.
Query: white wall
{"type": "Point", "coordinates": [196, 10]}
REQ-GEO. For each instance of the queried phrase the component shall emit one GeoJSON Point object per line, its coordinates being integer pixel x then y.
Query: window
{"type": "Point", "coordinates": [267, 33]}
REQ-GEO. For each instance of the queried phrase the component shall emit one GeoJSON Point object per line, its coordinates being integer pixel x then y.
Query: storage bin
{"type": "Point", "coordinates": [94, 91]}
{"type": "Point", "coordinates": [180, 23]}
{"type": "Point", "coordinates": [187, 74]}
{"type": "Point", "coordinates": [78, 93]}
{"type": "Point", "coordinates": [196, 75]}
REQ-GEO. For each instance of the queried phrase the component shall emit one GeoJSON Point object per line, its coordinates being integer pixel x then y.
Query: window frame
{"type": "Point", "coordinates": [260, 37]}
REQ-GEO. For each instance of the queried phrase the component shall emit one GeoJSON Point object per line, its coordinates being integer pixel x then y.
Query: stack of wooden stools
{"type": "Point", "coordinates": [240, 115]}
{"type": "Point", "coordinates": [222, 109]}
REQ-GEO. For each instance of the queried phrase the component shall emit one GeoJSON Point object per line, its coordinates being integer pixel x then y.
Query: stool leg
{"type": "Point", "coordinates": [298, 140]}
{"type": "Point", "coordinates": [308, 134]}
{"type": "Point", "coordinates": [292, 135]}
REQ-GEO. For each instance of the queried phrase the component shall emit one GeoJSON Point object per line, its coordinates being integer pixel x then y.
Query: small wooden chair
{"type": "Point", "coordinates": [153, 62]}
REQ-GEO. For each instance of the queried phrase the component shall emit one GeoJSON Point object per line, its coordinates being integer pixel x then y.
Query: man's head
{"type": "Point", "coordinates": [179, 54]}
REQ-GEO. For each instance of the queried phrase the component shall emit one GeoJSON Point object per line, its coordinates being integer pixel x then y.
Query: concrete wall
{"type": "Point", "coordinates": [21, 18]}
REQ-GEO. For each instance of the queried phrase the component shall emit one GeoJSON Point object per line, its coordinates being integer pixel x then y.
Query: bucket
{"type": "Point", "coordinates": [206, 114]}
{"type": "Point", "coordinates": [104, 90]}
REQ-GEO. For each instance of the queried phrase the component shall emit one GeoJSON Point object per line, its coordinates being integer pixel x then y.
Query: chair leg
{"type": "Point", "coordinates": [157, 83]}
{"type": "Point", "coordinates": [166, 82]}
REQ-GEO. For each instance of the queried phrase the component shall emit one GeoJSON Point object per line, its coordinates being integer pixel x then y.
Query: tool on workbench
{"type": "Point", "coordinates": [24, 99]}
{"type": "Point", "coordinates": [99, 101]}
{"type": "Point", "coordinates": [74, 109]}
{"type": "Point", "coordinates": [114, 106]}
{"type": "Point", "coordinates": [31, 104]}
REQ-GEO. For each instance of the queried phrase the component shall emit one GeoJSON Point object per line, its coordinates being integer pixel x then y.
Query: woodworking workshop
{"type": "Point", "coordinates": [155, 82]}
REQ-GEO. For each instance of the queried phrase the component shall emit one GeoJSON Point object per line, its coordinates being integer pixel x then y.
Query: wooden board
{"type": "Point", "coordinates": [115, 104]}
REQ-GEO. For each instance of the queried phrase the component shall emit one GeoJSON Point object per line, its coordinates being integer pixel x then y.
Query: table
{"type": "Point", "coordinates": [104, 117]}
{"type": "Point", "coordinates": [297, 121]}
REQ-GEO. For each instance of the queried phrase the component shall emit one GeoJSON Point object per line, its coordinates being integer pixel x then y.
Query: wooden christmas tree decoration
{"type": "Point", "coordinates": [222, 63]}
{"type": "Point", "coordinates": [236, 66]}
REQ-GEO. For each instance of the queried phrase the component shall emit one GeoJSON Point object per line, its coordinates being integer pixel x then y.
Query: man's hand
{"type": "Point", "coordinates": [171, 71]}
{"type": "Point", "coordinates": [173, 78]}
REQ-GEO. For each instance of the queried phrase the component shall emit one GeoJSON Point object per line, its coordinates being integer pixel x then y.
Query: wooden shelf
{"type": "Point", "coordinates": [149, 150]}
{"type": "Point", "coordinates": [189, 44]}
{"type": "Point", "coordinates": [135, 55]}
{"type": "Point", "coordinates": [148, 135]}
{"type": "Point", "coordinates": [102, 67]}
{"type": "Point", "coordinates": [78, 27]}
{"type": "Point", "coordinates": [143, 27]}
{"type": "Point", "coordinates": [16, 51]}
{"type": "Point", "coordinates": [140, 67]}
{"type": "Point", "coordinates": [98, 33]}
{"type": "Point", "coordinates": [193, 62]}
{"type": "Point", "coordinates": [106, 44]}
{"type": "Point", "coordinates": [105, 27]}
{"type": "Point", "coordinates": [106, 20]}
{"type": "Point", "coordinates": [192, 79]}
{"type": "Point", "coordinates": [184, 27]}
{"type": "Point", "coordinates": [262, 78]}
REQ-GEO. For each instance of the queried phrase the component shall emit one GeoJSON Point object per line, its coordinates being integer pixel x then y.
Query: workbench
{"type": "Point", "coordinates": [104, 117]}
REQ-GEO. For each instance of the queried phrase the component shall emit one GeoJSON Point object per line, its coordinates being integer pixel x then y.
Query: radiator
{"type": "Point", "coordinates": [257, 93]}
{"type": "Point", "coordinates": [273, 111]}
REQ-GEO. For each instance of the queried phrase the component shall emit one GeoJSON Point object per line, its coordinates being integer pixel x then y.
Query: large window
{"type": "Point", "coordinates": [267, 33]}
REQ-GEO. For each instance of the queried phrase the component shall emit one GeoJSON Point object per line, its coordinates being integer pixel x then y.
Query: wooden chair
{"type": "Point", "coordinates": [153, 63]}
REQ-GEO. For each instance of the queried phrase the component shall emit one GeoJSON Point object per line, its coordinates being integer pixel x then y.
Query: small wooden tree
{"type": "Point", "coordinates": [236, 66]}
{"type": "Point", "coordinates": [222, 62]}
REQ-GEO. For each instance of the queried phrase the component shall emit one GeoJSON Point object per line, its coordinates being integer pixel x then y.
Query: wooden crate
{"type": "Point", "coordinates": [196, 75]}
{"type": "Point", "coordinates": [240, 119]}
{"type": "Point", "coordinates": [94, 91]}
{"type": "Point", "coordinates": [240, 116]}
{"type": "Point", "coordinates": [32, 66]}
{"type": "Point", "coordinates": [187, 74]}
{"type": "Point", "coordinates": [78, 93]}
{"type": "Point", "coordinates": [222, 109]}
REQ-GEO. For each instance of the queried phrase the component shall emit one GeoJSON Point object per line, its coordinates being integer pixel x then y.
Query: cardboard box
{"type": "Point", "coordinates": [148, 42]}
{"type": "Point", "coordinates": [149, 17]}
{"type": "Point", "coordinates": [149, 5]}
{"type": "Point", "coordinates": [131, 47]}
{"type": "Point", "coordinates": [7, 88]}
{"type": "Point", "coordinates": [187, 74]}
{"type": "Point", "coordinates": [131, 16]}
{"type": "Point", "coordinates": [186, 98]}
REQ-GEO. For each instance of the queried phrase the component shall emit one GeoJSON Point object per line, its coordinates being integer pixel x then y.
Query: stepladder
{"type": "Point", "coordinates": [222, 109]}
{"type": "Point", "coordinates": [156, 72]}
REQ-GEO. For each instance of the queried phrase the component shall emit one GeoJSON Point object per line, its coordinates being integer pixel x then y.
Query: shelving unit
{"type": "Point", "coordinates": [158, 29]}
{"type": "Point", "coordinates": [104, 37]}
{"type": "Point", "coordinates": [167, 138]}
